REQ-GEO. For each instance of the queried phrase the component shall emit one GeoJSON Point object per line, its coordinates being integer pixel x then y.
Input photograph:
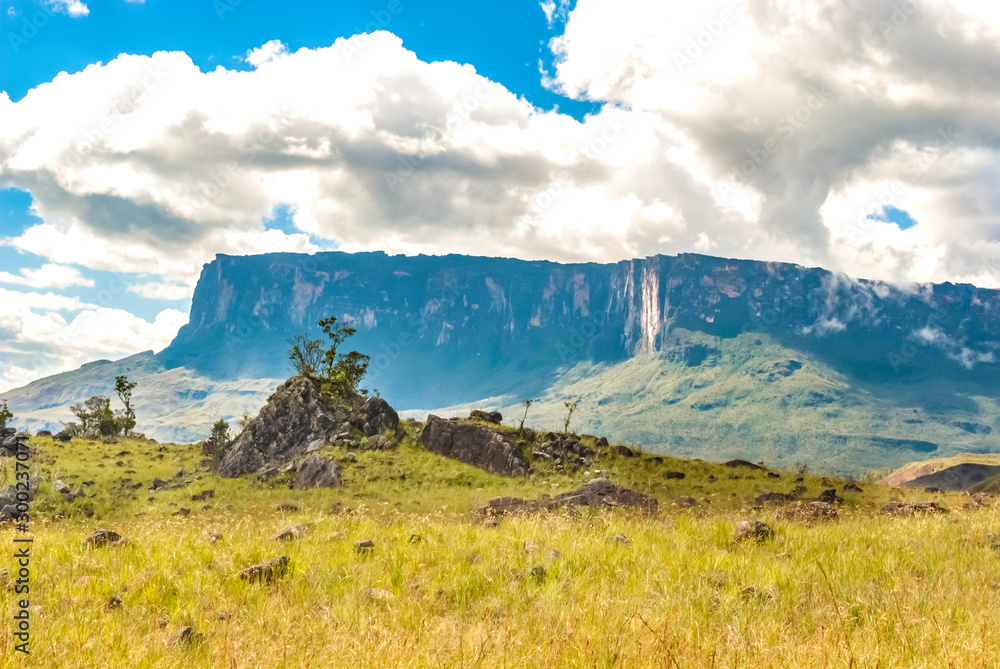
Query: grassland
{"type": "Point", "coordinates": [864, 590]}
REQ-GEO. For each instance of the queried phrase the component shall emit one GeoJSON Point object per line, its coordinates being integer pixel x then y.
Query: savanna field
{"type": "Point", "coordinates": [576, 587]}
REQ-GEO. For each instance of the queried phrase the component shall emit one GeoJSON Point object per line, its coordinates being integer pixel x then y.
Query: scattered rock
{"type": "Point", "coordinates": [213, 537]}
{"type": "Point", "coordinates": [601, 443]}
{"type": "Point", "coordinates": [185, 636]}
{"type": "Point", "coordinates": [415, 539]}
{"type": "Point", "coordinates": [752, 530]}
{"type": "Point", "coordinates": [536, 572]}
{"type": "Point", "coordinates": [830, 497]}
{"type": "Point", "coordinates": [287, 506]}
{"type": "Point", "coordinates": [621, 539]}
{"type": "Point", "coordinates": [530, 546]}
{"type": "Point", "coordinates": [290, 532]}
{"type": "Point", "coordinates": [553, 554]}
{"type": "Point", "coordinates": [102, 537]}
{"type": "Point", "coordinates": [157, 484]}
{"type": "Point", "coordinates": [624, 451]}
{"type": "Point", "coordinates": [674, 475]}
{"type": "Point", "coordinates": [743, 463]}
{"type": "Point", "coordinates": [350, 457]}
{"type": "Point", "coordinates": [380, 595]}
{"type": "Point", "coordinates": [8, 512]}
{"type": "Point", "coordinates": [773, 475]}
{"type": "Point", "coordinates": [203, 495]}
{"type": "Point", "coordinates": [905, 510]}
{"type": "Point", "coordinates": [378, 443]}
{"type": "Point", "coordinates": [63, 437]}
{"type": "Point", "coordinates": [811, 511]}
{"type": "Point", "coordinates": [491, 523]}
{"type": "Point", "coordinates": [114, 602]}
{"type": "Point", "coordinates": [364, 546]}
{"type": "Point", "coordinates": [932, 490]}
{"type": "Point", "coordinates": [854, 487]}
{"type": "Point", "coordinates": [486, 448]}
{"type": "Point", "coordinates": [267, 571]}
{"type": "Point", "coordinates": [598, 493]}
{"type": "Point", "coordinates": [684, 502]}
{"type": "Point", "coordinates": [773, 498]}
{"type": "Point", "coordinates": [317, 472]}
{"type": "Point", "coordinates": [182, 512]}
{"type": "Point", "coordinates": [493, 417]}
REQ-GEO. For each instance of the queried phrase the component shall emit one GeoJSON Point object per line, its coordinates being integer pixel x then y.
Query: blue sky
{"type": "Point", "coordinates": [138, 139]}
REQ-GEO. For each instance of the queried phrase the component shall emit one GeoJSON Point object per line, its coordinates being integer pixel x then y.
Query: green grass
{"type": "Point", "coordinates": [863, 590]}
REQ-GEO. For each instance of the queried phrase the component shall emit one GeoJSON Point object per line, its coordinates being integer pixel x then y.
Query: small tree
{"type": "Point", "coordinates": [5, 414]}
{"type": "Point", "coordinates": [527, 405]}
{"type": "Point", "coordinates": [126, 418]}
{"type": "Point", "coordinates": [215, 445]}
{"type": "Point", "coordinates": [306, 355]}
{"type": "Point", "coordinates": [108, 424]}
{"type": "Point", "coordinates": [89, 415]}
{"type": "Point", "coordinates": [339, 373]}
{"type": "Point", "coordinates": [571, 407]}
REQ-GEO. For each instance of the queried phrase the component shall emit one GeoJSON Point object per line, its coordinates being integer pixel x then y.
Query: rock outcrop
{"type": "Point", "coordinates": [481, 447]}
{"type": "Point", "coordinates": [317, 472]}
{"type": "Point", "coordinates": [11, 441]}
{"type": "Point", "coordinates": [297, 420]}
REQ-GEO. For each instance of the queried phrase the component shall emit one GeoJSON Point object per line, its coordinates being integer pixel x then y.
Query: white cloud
{"type": "Point", "coordinates": [42, 343]}
{"type": "Point", "coordinates": [70, 7]}
{"type": "Point", "coordinates": [149, 165]}
{"type": "Point", "coordinates": [163, 290]}
{"type": "Point", "coordinates": [48, 275]}
{"type": "Point", "coordinates": [50, 301]}
{"type": "Point", "coordinates": [264, 54]}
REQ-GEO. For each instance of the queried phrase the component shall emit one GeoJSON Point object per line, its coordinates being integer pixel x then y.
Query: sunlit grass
{"type": "Point", "coordinates": [864, 590]}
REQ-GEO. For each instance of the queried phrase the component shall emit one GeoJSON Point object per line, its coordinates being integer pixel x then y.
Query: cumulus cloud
{"type": "Point", "coordinates": [825, 112]}
{"type": "Point", "coordinates": [266, 53]}
{"type": "Point", "coordinates": [70, 7]}
{"type": "Point", "coordinates": [37, 342]}
{"type": "Point", "coordinates": [48, 275]}
{"type": "Point", "coordinates": [770, 129]}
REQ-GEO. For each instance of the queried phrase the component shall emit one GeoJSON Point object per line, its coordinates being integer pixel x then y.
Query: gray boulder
{"type": "Point", "coordinates": [377, 443]}
{"type": "Point", "coordinates": [294, 417]}
{"type": "Point", "coordinates": [379, 416]}
{"type": "Point", "coordinates": [481, 447]}
{"type": "Point", "coordinates": [316, 472]}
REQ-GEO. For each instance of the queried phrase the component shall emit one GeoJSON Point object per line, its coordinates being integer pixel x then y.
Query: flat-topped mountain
{"type": "Point", "coordinates": [692, 355]}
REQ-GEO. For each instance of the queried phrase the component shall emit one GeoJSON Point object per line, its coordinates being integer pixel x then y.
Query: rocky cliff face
{"type": "Point", "coordinates": [693, 355]}
{"type": "Point", "coordinates": [445, 330]}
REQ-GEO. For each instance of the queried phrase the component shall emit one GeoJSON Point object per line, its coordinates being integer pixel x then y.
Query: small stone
{"type": "Point", "coordinates": [101, 538]}
{"type": "Point", "coordinates": [380, 595]}
{"type": "Point", "coordinates": [290, 532]}
{"type": "Point", "coordinates": [491, 523]}
{"type": "Point", "coordinates": [185, 636]}
{"type": "Point", "coordinates": [182, 512]}
{"type": "Point", "coordinates": [364, 546]}
{"type": "Point", "coordinates": [114, 602]}
{"type": "Point", "coordinates": [224, 615]}
{"type": "Point", "coordinates": [265, 572]}
{"type": "Point", "coordinates": [472, 558]}
{"type": "Point", "coordinates": [414, 538]}
{"type": "Point", "coordinates": [685, 502]}
{"type": "Point", "coordinates": [553, 554]}
{"type": "Point", "coordinates": [350, 457]}
{"type": "Point", "coordinates": [536, 572]}
{"type": "Point", "coordinates": [621, 539]}
{"type": "Point", "coordinates": [213, 537]}
{"type": "Point", "coordinates": [530, 546]}
{"type": "Point", "coordinates": [287, 507]}
{"type": "Point", "coordinates": [753, 529]}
